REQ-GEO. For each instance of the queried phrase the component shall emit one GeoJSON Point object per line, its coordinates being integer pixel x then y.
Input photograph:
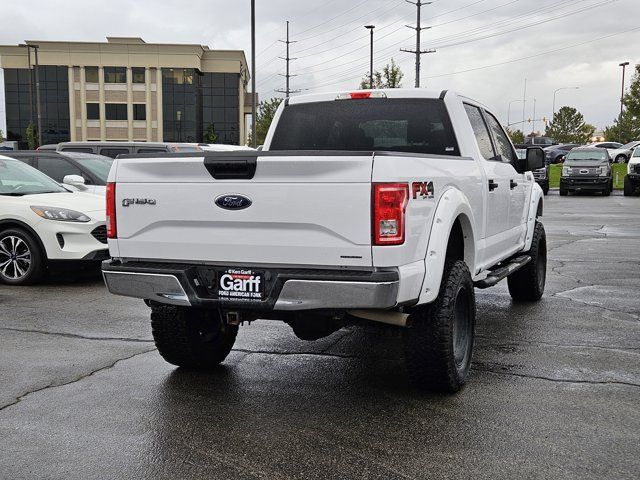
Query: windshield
{"type": "Point", "coordinates": [98, 165]}
{"type": "Point", "coordinates": [636, 152]}
{"type": "Point", "coordinates": [630, 145]}
{"type": "Point", "coordinates": [17, 179]}
{"type": "Point", "coordinates": [580, 156]}
{"type": "Point", "coordinates": [396, 124]}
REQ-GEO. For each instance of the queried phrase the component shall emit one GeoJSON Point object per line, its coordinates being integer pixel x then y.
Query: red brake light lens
{"type": "Point", "coordinates": [389, 207]}
{"type": "Point", "coordinates": [111, 211]}
{"type": "Point", "coordinates": [360, 95]}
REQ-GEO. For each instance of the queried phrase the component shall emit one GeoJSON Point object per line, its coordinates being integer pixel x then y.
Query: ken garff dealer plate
{"type": "Point", "coordinates": [233, 201]}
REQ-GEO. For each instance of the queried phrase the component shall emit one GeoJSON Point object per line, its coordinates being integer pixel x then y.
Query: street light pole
{"type": "Point", "coordinates": [554, 96]}
{"type": "Point", "coordinates": [254, 140]}
{"type": "Point", "coordinates": [509, 111]}
{"type": "Point", "coordinates": [370, 28]}
{"type": "Point", "coordinates": [179, 118]}
{"type": "Point", "coordinates": [38, 111]}
{"type": "Point", "coordinates": [624, 67]}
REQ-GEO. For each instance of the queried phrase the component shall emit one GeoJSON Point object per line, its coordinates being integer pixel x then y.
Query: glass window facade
{"type": "Point", "coordinates": [54, 104]}
{"type": "Point", "coordinates": [115, 75]}
{"type": "Point", "coordinates": [115, 111]}
{"type": "Point", "coordinates": [181, 105]}
{"type": "Point", "coordinates": [91, 75]}
{"type": "Point", "coordinates": [137, 74]}
{"type": "Point", "coordinates": [221, 106]}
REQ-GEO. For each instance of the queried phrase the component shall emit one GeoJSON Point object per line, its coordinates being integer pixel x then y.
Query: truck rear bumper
{"type": "Point", "coordinates": [286, 289]}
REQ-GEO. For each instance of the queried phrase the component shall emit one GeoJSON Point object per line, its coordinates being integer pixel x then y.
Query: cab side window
{"type": "Point", "coordinates": [503, 144]}
{"type": "Point", "coordinates": [481, 132]}
{"type": "Point", "coordinates": [57, 168]}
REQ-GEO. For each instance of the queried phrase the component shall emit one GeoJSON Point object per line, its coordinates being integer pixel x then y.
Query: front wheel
{"type": "Point", "coordinates": [621, 159]}
{"type": "Point", "coordinates": [563, 191]}
{"type": "Point", "coordinates": [22, 261]}
{"type": "Point", "coordinates": [527, 284]}
{"type": "Point", "coordinates": [439, 342]}
{"type": "Point", "coordinates": [628, 187]}
{"type": "Point", "coordinates": [191, 337]}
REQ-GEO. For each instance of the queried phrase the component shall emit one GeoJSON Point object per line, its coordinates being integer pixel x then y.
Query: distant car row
{"type": "Point", "coordinates": [618, 153]}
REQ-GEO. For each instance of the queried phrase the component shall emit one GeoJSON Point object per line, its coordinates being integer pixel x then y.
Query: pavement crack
{"type": "Point", "coordinates": [75, 380]}
{"type": "Point", "coordinates": [632, 350]}
{"type": "Point", "coordinates": [591, 304]}
{"type": "Point", "coordinates": [74, 335]}
{"type": "Point", "coordinates": [270, 352]}
{"type": "Point", "coordinates": [488, 369]}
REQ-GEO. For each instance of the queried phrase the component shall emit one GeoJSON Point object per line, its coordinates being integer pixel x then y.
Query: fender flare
{"type": "Point", "coordinates": [536, 206]}
{"type": "Point", "coordinates": [453, 205]}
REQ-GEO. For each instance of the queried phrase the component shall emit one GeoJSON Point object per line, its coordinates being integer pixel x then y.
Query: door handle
{"type": "Point", "coordinates": [512, 184]}
{"type": "Point", "coordinates": [492, 185]}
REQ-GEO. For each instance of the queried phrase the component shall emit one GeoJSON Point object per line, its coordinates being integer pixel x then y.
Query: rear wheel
{"type": "Point", "coordinates": [191, 337]}
{"type": "Point", "coordinates": [439, 343]}
{"type": "Point", "coordinates": [21, 259]}
{"type": "Point", "coordinates": [621, 159]}
{"type": "Point", "coordinates": [527, 284]}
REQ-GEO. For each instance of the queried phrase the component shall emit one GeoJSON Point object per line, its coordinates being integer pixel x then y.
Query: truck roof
{"type": "Point", "coordinates": [389, 92]}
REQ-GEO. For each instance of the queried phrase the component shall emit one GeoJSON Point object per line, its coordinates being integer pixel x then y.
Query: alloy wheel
{"type": "Point", "coordinates": [15, 257]}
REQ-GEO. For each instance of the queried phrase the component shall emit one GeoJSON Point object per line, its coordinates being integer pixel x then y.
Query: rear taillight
{"type": "Point", "coordinates": [112, 231]}
{"type": "Point", "coordinates": [389, 206]}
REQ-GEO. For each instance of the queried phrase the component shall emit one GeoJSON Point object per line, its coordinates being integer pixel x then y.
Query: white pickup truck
{"type": "Point", "coordinates": [372, 206]}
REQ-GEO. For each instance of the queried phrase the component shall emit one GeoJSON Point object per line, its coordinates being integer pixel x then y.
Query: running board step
{"type": "Point", "coordinates": [503, 271]}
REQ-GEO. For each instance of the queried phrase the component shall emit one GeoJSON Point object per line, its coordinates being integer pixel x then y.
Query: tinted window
{"type": "Point", "coordinates": [114, 152]}
{"type": "Point", "coordinates": [597, 155]}
{"type": "Point", "coordinates": [152, 150]}
{"type": "Point", "coordinates": [20, 179]}
{"type": "Point", "coordinates": [91, 74]}
{"type": "Point", "coordinates": [93, 111]}
{"type": "Point", "coordinates": [503, 144]}
{"type": "Point", "coordinates": [115, 75]}
{"type": "Point", "coordinates": [137, 74]}
{"type": "Point", "coordinates": [115, 111]}
{"type": "Point", "coordinates": [401, 125]}
{"type": "Point", "coordinates": [78, 149]}
{"type": "Point", "coordinates": [57, 167]}
{"type": "Point", "coordinates": [139, 111]}
{"type": "Point", "coordinates": [480, 131]}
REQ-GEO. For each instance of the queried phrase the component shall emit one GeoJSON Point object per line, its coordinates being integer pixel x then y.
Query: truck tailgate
{"type": "Point", "coordinates": [306, 209]}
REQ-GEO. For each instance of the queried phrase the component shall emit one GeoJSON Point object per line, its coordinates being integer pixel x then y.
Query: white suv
{"type": "Point", "coordinates": [40, 221]}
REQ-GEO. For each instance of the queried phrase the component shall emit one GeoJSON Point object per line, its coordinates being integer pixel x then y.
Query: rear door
{"type": "Point", "coordinates": [300, 208]}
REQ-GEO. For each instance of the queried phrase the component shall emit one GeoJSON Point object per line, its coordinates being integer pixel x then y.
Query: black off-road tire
{"type": "Point", "coordinates": [527, 284]}
{"type": "Point", "coordinates": [191, 337]}
{"type": "Point", "coordinates": [628, 187]}
{"type": "Point", "coordinates": [37, 262]}
{"type": "Point", "coordinates": [438, 344]}
{"type": "Point", "coordinates": [607, 191]}
{"type": "Point", "coordinates": [563, 191]}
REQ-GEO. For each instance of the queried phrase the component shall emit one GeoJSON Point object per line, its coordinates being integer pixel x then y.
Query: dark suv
{"type": "Point", "coordinates": [541, 175]}
{"type": "Point", "coordinates": [587, 169]}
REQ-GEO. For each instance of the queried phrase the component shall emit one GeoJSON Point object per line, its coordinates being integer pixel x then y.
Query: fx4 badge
{"type": "Point", "coordinates": [424, 189]}
{"type": "Point", "coordinates": [138, 201]}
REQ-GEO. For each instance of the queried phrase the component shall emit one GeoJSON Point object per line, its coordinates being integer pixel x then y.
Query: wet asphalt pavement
{"type": "Point", "coordinates": [554, 391]}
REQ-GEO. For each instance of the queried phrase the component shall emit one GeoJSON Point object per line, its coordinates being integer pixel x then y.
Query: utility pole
{"type": "Point", "coordinates": [287, 91]}
{"type": "Point", "coordinates": [371, 28]}
{"type": "Point", "coordinates": [524, 103]}
{"type": "Point", "coordinates": [533, 127]}
{"type": "Point", "coordinates": [254, 96]}
{"type": "Point", "coordinates": [624, 67]}
{"type": "Point", "coordinates": [418, 28]}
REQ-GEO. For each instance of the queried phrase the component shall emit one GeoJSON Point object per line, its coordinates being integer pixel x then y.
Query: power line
{"type": "Point", "coordinates": [287, 91]}
{"type": "Point", "coordinates": [418, 28]}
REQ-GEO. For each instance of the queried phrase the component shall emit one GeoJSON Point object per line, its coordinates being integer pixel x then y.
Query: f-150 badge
{"type": "Point", "coordinates": [424, 189]}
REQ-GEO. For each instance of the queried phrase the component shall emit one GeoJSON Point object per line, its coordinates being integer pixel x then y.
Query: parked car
{"type": "Point", "coordinates": [83, 172]}
{"type": "Point", "coordinates": [556, 153]}
{"type": "Point", "coordinates": [541, 175]}
{"type": "Point", "coordinates": [48, 147]}
{"type": "Point", "coordinates": [611, 147]}
{"type": "Point", "coordinates": [113, 149]}
{"type": "Point", "coordinates": [632, 178]}
{"type": "Point", "coordinates": [539, 141]}
{"type": "Point", "coordinates": [623, 154]}
{"type": "Point", "coordinates": [41, 222]}
{"type": "Point", "coordinates": [587, 169]}
{"type": "Point", "coordinates": [401, 236]}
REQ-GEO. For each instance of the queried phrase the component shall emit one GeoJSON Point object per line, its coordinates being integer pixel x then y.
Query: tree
{"type": "Point", "coordinates": [210, 136]}
{"type": "Point", "coordinates": [568, 126]}
{"type": "Point", "coordinates": [516, 135]}
{"type": "Point", "coordinates": [32, 136]}
{"type": "Point", "coordinates": [391, 77]}
{"type": "Point", "coordinates": [264, 117]}
{"type": "Point", "coordinates": [1, 136]}
{"type": "Point", "coordinates": [626, 128]}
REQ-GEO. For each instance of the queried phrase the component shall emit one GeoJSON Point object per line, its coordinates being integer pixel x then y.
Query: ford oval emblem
{"type": "Point", "coordinates": [233, 201]}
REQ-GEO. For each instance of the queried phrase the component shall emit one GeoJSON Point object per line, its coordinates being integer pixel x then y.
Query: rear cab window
{"type": "Point", "coordinates": [375, 124]}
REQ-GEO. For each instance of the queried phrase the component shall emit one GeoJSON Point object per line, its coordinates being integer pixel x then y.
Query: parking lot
{"type": "Point", "coordinates": [553, 392]}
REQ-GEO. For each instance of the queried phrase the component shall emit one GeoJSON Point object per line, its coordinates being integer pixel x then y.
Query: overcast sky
{"type": "Point", "coordinates": [485, 48]}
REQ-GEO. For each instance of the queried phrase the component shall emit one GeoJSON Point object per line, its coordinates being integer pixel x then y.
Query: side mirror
{"type": "Point", "coordinates": [534, 159]}
{"type": "Point", "coordinates": [75, 181]}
